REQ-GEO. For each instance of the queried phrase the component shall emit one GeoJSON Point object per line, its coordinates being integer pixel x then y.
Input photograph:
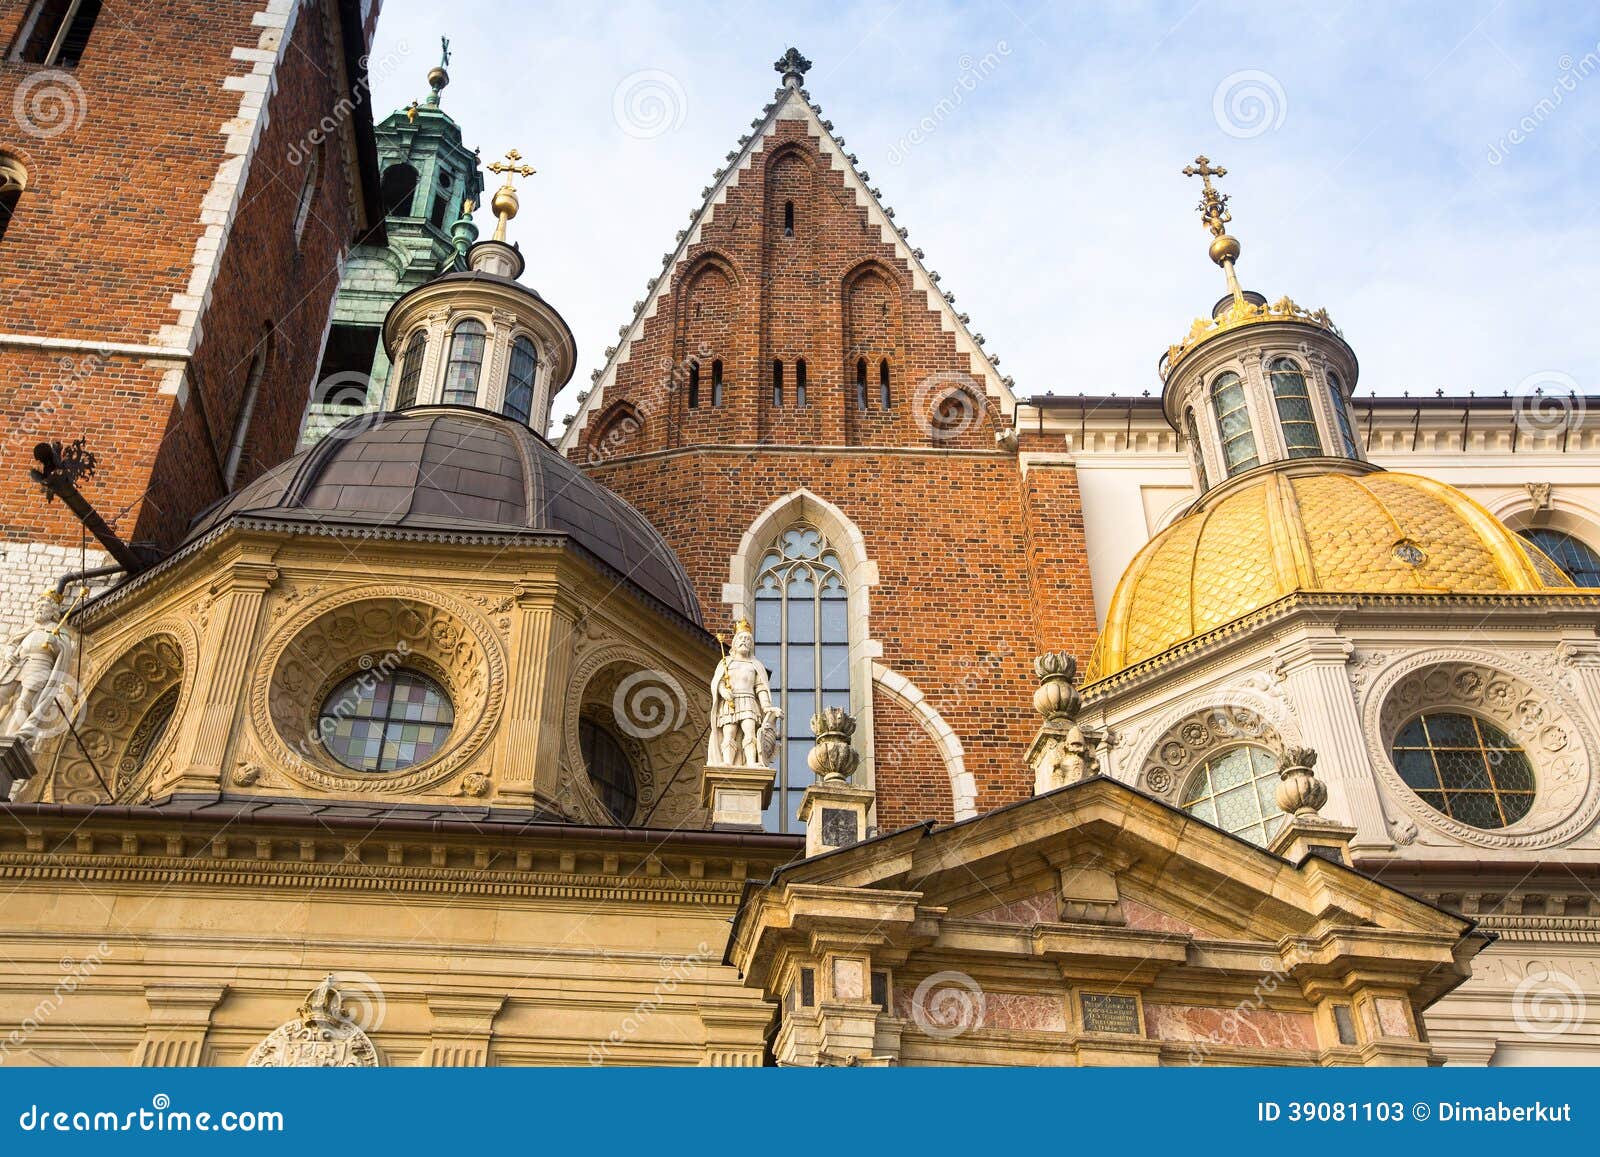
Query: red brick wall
{"type": "Point", "coordinates": [969, 588]}
{"type": "Point", "coordinates": [105, 237]}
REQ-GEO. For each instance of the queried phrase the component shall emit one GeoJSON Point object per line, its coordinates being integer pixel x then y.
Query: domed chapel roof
{"type": "Point", "coordinates": [444, 468]}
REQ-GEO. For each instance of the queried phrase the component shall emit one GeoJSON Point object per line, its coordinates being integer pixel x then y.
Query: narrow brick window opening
{"type": "Point", "coordinates": [57, 32]}
{"type": "Point", "coordinates": [716, 382]}
{"type": "Point", "coordinates": [788, 218]}
{"type": "Point", "coordinates": [777, 382]}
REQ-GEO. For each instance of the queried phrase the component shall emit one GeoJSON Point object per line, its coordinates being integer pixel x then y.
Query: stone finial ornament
{"type": "Point", "coordinates": [1057, 698]}
{"type": "Point", "coordinates": [1300, 792]}
{"type": "Point", "coordinates": [832, 757]}
{"type": "Point", "coordinates": [793, 67]}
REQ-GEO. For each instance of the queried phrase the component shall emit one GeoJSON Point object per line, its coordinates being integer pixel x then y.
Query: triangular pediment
{"type": "Point", "coordinates": [790, 104]}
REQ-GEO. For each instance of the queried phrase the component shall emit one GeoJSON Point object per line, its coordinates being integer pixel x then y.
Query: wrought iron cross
{"type": "Point", "coordinates": [444, 52]}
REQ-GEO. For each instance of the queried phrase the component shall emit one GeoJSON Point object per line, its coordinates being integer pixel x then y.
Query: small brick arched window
{"type": "Point", "coordinates": [13, 180]}
{"type": "Point", "coordinates": [777, 382]}
{"type": "Point", "coordinates": [861, 383]}
{"type": "Point", "coordinates": [716, 382]}
{"type": "Point", "coordinates": [694, 385]}
{"type": "Point", "coordinates": [800, 384]}
{"type": "Point", "coordinates": [883, 383]}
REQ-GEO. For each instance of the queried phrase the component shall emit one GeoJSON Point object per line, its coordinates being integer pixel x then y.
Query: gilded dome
{"type": "Point", "coordinates": [1318, 530]}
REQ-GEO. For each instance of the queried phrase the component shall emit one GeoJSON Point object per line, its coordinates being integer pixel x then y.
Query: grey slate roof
{"type": "Point", "coordinates": [444, 468]}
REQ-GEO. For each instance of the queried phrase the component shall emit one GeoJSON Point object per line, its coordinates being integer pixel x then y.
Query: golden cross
{"type": "Point", "coordinates": [510, 165]}
{"type": "Point", "coordinates": [1213, 202]}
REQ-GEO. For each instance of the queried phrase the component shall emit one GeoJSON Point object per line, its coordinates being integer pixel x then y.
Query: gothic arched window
{"type": "Point", "coordinates": [1191, 431]}
{"type": "Point", "coordinates": [58, 32]}
{"type": "Point", "coordinates": [802, 633]}
{"type": "Point", "coordinates": [411, 370]}
{"type": "Point", "coordinates": [1294, 410]}
{"type": "Point", "coordinates": [694, 385]}
{"type": "Point", "coordinates": [1233, 420]}
{"type": "Point", "coordinates": [716, 382]}
{"type": "Point", "coordinates": [883, 383]}
{"type": "Point", "coordinates": [466, 363]}
{"type": "Point", "coordinates": [1341, 415]}
{"type": "Point", "coordinates": [519, 380]}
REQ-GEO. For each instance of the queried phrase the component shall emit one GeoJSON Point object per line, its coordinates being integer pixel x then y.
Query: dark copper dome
{"type": "Point", "coordinates": [453, 469]}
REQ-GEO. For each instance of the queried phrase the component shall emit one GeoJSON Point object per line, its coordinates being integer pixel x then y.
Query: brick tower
{"type": "Point", "coordinates": [179, 182]}
{"type": "Point", "coordinates": [801, 410]}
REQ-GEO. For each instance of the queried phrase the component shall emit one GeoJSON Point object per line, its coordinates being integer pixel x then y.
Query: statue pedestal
{"type": "Point", "coordinates": [1312, 835]}
{"type": "Point", "coordinates": [835, 815]}
{"type": "Point", "coordinates": [16, 765]}
{"type": "Point", "coordinates": [736, 796]}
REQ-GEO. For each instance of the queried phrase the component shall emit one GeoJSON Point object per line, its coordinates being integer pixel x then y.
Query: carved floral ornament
{"type": "Point", "coordinates": [329, 1032]}
{"type": "Point", "coordinates": [1537, 714]}
{"type": "Point", "coordinates": [122, 736]}
{"type": "Point", "coordinates": [379, 628]}
{"type": "Point", "coordinates": [1186, 744]}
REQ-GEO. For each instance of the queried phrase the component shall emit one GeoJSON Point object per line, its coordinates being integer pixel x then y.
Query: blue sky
{"type": "Point", "coordinates": [1371, 153]}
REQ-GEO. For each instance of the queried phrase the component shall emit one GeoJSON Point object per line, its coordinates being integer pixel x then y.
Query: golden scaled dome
{"type": "Point", "coordinates": [1321, 531]}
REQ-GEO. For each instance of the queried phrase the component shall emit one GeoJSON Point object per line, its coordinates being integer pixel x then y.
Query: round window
{"type": "Point", "coordinates": [383, 722]}
{"type": "Point", "coordinates": [1236, 791]}
{"type": "Point", "coordinates": [1465, 767]}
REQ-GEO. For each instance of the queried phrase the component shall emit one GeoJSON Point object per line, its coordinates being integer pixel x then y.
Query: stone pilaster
{"type": "Point", "coordinates": [1319, 688]}
{"type": "Point", "coordinates": [735, 1035]}
{"type": "Point", "coordinates": [180, 1018]}
{"type": "Point", "coordinates": [220, 683]}
{"type": "Point", "coordinates": [542, 641]}
{"type": "Point", "coordinates": [462, 1028]}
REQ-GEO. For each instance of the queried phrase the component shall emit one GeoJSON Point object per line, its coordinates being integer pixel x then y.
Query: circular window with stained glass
{"type": "Point", "coordinates": [384, 722]}
{"type": "Point", "coordinates": [1465, 767]}
{"type": "Point", "coordinates": [1236, 791]}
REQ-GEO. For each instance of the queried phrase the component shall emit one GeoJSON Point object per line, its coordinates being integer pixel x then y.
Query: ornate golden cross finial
{"type": "Point", "coordinates": [1213, 202]}
{"type": "Point", "coordinates": [505, 203]}
{"type": "Point", "coordinates": [1214, 213]}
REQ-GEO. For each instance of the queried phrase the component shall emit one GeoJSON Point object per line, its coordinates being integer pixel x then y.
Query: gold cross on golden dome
{"type": "Point", "coordinates": [1213, 202]}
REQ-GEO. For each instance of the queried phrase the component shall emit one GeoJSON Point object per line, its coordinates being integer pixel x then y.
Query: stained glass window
{"type": "Point", "coordinates": [1233, 420]}
{"type": "Point", "coordinates": [610, 771]}
{"type": "Point", "coordinates": [1574, 556]}
{"type": "Point", "coordinates": [519, 380]}
{"type": "Point", "coordinates": [1341, 414]}
{"type": "Point", "coordinates": [385, 721]}
{"type": "Point", "coordinates": [411, 370]}
{"type": "Point", "coordinates": [1235, 790]}
{"type": "Point", "coordinates": [1191, 431]}
{"type": "Point", "coordinates": [466, 363]}
{"type": "Point", "coordinates": [803, 636]}
{"type": "Point", "coordinates": [1294, 410]}
{"type": "Point", "coordinates": [1465, 767]}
